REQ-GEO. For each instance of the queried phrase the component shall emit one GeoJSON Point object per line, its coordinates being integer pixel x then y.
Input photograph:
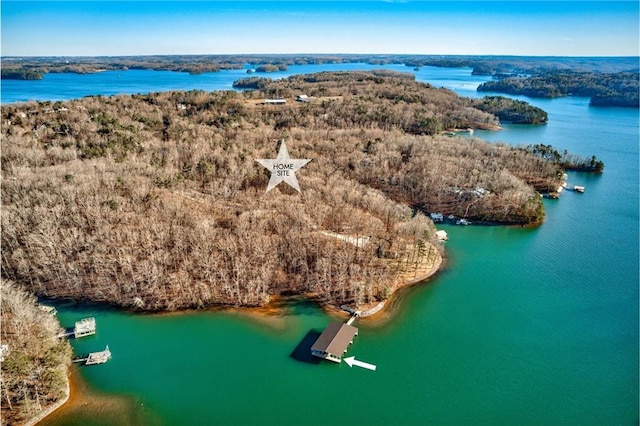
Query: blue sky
{"type": "Point", "coordinates": [91, 28]}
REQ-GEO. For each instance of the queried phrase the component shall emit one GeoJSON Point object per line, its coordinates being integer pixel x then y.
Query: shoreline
{"type": "Point", "coordinates": [384, 311]}
{"type": "Point", "coordinates": [56, 405]}
{"type": "Point", "coordinates": [278, 304]}
{"type": "Point", "coordinates": [82, 403]}
{"type": "Point", "coordinates": [80, 398]}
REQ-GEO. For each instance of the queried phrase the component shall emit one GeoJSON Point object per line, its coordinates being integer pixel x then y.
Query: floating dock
{"type": "Point", "coordinates": [95, 357]}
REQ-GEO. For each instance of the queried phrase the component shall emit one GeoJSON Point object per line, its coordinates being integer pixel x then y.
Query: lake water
{"type": "Point", "coordinates": [63, 86]}
{"type": "Point", "coordinates": [524, 326]}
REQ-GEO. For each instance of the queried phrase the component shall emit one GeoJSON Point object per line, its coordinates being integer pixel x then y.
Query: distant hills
{"type": "Point", "coordinates": [609, 81]}
{"type": "Point", "coordinates": [482, 65]}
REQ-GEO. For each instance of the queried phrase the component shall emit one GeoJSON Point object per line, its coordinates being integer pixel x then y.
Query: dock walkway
{"type": "Point", "coordinates": [353, 318]}
{"type": "Point", "coordinates": [95, 357]}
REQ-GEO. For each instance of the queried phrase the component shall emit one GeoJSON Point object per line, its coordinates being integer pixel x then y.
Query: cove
{"type": "Point", "coordinates": [524, 325]}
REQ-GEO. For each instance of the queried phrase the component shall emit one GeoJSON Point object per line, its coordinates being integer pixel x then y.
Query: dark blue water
{"type": "Point", "coordinates": [525, 326]}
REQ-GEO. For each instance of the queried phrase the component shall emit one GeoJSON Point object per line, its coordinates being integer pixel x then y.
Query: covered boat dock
{"type": "Point", "coordinates": [334, 341]}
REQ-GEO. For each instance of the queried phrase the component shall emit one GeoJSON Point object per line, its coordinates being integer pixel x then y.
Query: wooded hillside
{"type": "Point", "coordinates": [155, 201]}
{"type": "Point", "coordinates": [34, 366]}
{"type": "Point", "coordinates": [612, 89]}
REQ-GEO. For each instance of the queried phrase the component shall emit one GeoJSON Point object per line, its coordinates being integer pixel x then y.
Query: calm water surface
{"type": "Point", "coordinates": [63, 86]}
{"type": "Point", "coordinates": [525, 326]}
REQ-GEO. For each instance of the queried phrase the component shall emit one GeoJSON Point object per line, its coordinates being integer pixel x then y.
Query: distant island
{"type": "Point", "coordinates": [155, 202]}
{"type": "Point", "coordinates": [604, 89]}
{"type": "Point", "coordinates": [607, 81]}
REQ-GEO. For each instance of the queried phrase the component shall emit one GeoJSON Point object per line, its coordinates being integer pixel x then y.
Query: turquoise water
{"type": "Point", "coordinates": [524, 326]}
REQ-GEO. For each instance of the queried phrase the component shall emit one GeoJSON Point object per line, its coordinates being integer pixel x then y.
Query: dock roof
{"type": "Point", "coordinates": [335, 339]}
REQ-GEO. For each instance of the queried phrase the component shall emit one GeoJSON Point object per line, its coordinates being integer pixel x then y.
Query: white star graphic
{"type": "Point", "coordinates": [283, 169]}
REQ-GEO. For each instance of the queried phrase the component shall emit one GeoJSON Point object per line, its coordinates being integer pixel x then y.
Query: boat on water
{"type": "Point", "coordinates": [463, 221]}
{"type": "Point", "coordinates": [578, 188]}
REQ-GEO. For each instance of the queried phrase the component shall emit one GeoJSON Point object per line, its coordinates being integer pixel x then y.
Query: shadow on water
{"type": "Point", "coordinates": [302, 352]}
{"type": "Point", "coordinates": [291, 304]}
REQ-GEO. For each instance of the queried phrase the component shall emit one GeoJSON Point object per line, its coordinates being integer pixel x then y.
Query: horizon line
{"type": "Point", "coordinates": [322, 54]}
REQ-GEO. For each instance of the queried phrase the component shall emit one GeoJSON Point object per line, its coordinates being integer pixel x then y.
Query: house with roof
{"type": "Point", "coordinates": [334, 341]}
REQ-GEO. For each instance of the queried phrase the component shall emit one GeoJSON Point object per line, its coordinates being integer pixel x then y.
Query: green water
{"type": "Point", "coordinates": [497, 338]}
{"type": "Point", "coordinates": [520, 327]}
{"type": "Point", "coordinates": [524, 326]}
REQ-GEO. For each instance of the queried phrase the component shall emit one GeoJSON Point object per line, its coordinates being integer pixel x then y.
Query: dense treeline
{"type": "Point", "coordinates": [156, 202]}
{"type": "Point", "coordinates": [271, 68]}
{"type": "Point", "coordinates": [615, 89]}
{"type": "Point", "coordinates": [20, 74]}
{"type": "Point", "coordinates": [194, 64]}
{"type": "Point", "coordinates": [482, 65]}
{"type": "Point", "coordinates": [252, 83]}
{"type": "Point", "coordinates": [511, 110]}
{"type": "Point", "coordinates": [34, 369]}
{"type": "Point", "coordinates": [380, 98]}
{"type": "Point", "coordinates": [566, 160]}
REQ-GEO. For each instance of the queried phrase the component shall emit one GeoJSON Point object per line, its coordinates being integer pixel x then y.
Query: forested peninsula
{"type": "Point", "coordinates": [155, 202]}
{"type": "Point", "coordinates": [604, 89]}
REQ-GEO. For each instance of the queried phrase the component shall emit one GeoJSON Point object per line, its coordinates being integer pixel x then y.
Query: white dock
{"type": "Point", "coordinates": [353, 318]}
{"type": "Point", "coordinates": [84, 327]}
{"type": "Point", "coordinates": [95, 357]}
{"type": "Point", "coordinates": [98, 357]}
